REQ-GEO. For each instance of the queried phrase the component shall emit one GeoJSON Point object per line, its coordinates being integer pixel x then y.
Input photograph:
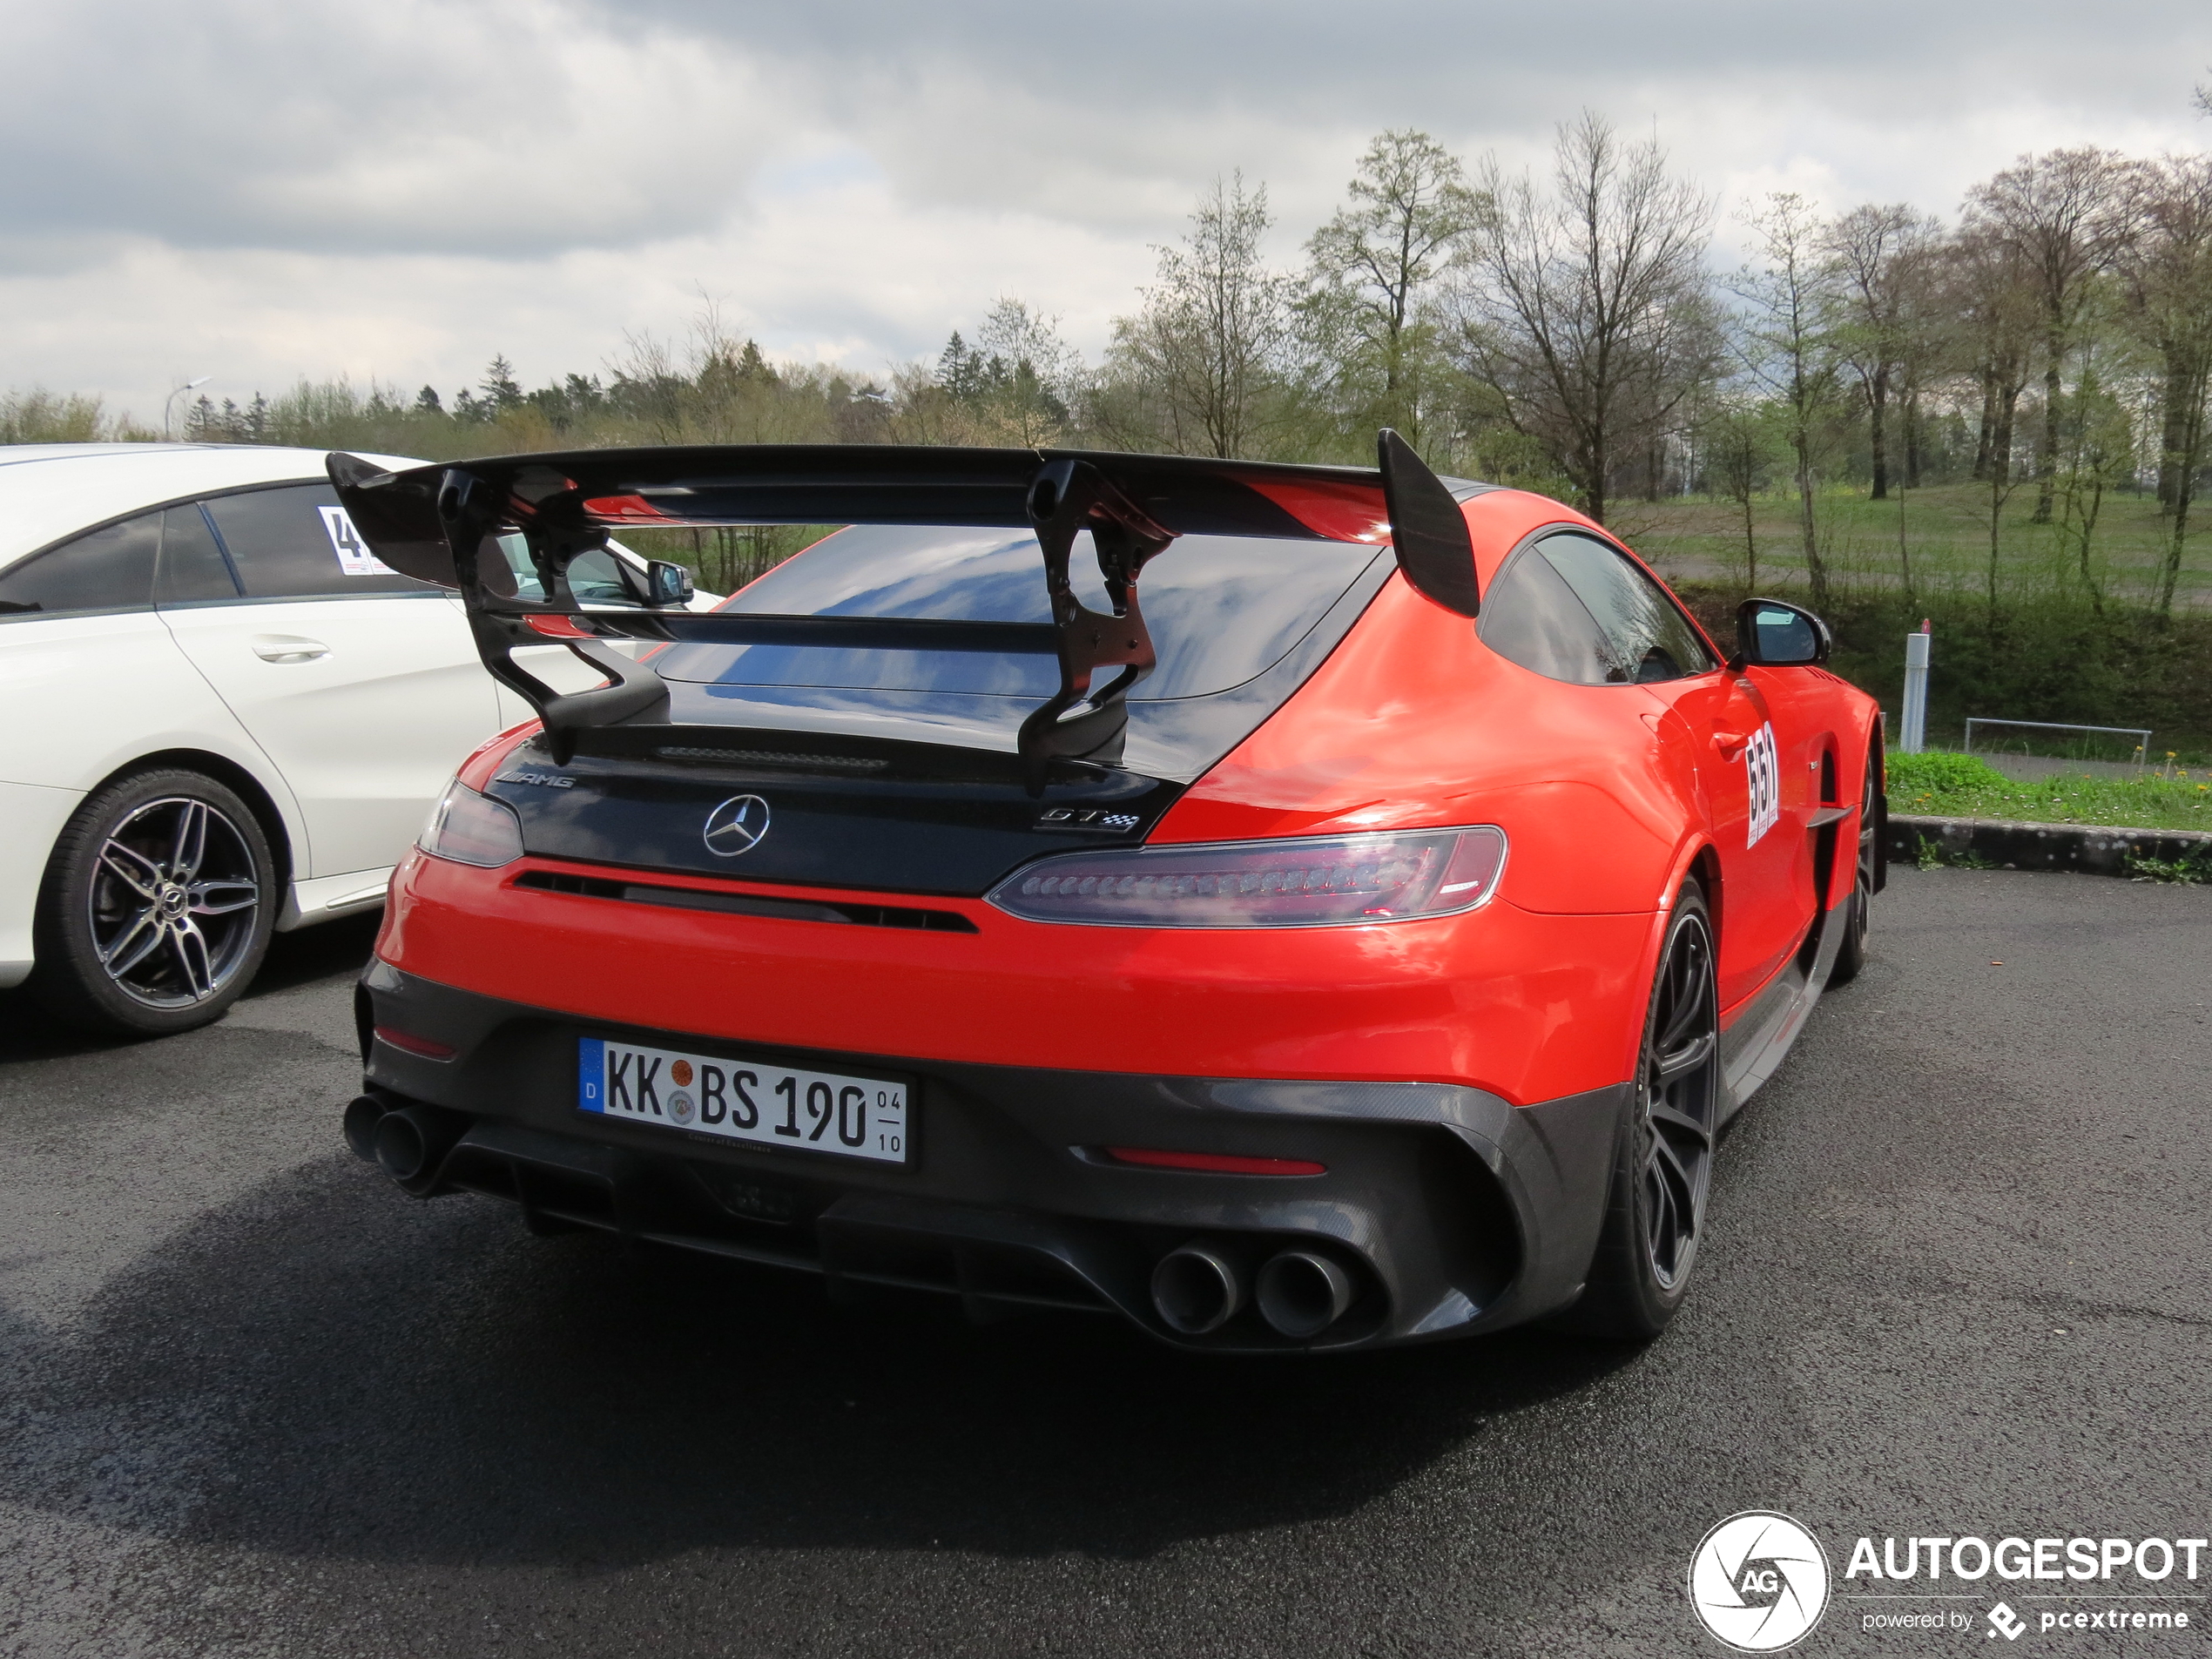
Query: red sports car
{"type": "Point", "coordinates": [1360, 939]}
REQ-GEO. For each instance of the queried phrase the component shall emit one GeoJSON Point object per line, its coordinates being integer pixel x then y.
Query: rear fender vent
{"type": "Point", "coordinates": [747, 904]}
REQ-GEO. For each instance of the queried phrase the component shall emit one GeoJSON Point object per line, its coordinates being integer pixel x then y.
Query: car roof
{"type": "Point", "coordinates": [47, 491]}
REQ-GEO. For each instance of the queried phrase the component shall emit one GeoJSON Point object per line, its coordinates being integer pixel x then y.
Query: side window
{"type": "Point", "coordinates": [1648, 637]}
{"type": "Point", "coordinates": [1531, 617]}
{"type": "Point", "coordinates": [296, 543]}
{"type": "Point", "coordinates": [104, 570]}
{"type": "Point", "coordinates": [514, 548]}
{"type": "Point", "coordinates": [595, 578]}
{"type": "Point", "coordinates": [192, 569]}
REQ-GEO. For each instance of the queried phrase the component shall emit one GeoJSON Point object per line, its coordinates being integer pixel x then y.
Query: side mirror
{"type": "Point", "coordinates": [667, 583]}
{"type": "Point", "coordinates": [1773, 633]}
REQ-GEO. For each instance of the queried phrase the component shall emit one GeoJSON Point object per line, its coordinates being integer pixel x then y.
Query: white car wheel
{"type": "Point", "coordinates": [157, 907]}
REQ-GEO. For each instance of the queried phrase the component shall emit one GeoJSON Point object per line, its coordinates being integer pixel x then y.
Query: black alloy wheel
{"type": "Point", "coordinates": [156, 908]}
{"type": "Point", "coordinates": [1663, 1154]}
{"type": "Point", "coordinates": [1858, 915]}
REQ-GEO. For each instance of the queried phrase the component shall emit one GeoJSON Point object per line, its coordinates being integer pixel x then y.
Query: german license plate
{"type": "Point", "coordinates": [746, 1100]}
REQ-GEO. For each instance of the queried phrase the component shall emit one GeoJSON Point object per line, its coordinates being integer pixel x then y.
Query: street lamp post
{"type": "Point", "coordinates": [166, 408]}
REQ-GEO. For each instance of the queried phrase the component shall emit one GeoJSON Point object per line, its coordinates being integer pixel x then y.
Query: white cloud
{"type": "Point", "coordinates": [260, 190]}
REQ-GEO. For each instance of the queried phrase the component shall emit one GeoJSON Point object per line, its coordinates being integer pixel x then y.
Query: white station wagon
{"type": "Point", "coordinates": [219, 717]}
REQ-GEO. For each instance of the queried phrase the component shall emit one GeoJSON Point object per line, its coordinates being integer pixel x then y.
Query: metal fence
{"type": "Point", "coordinates": [2142, 734]}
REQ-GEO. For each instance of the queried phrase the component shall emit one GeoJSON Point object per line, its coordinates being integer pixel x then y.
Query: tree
{"type": "Point", "coordinates": [1736, 444]}
{"type": "Point", "coordinates": [1588, 309]}
{"type": "Point", "coordinates": [2168, 280]}
{"type": "Point", "coordinates": [960, 370]}
{"type": "Point", "coordinates": [1373, 266]}
{"type": "Point", "coordinates": [500, 389]}
{"type": "Point", "coordinates": [426, 401]}
{"type": "Point", "coordinates": [1993, 303]}
{"type": "Point", "coordinates": [1790, 346]}
{"type": "Point", "coordinates": [1880, 256]}
{"type": "Point", "coordinates": [2066, 215]}
{"type": "Point", "coordinates": [1209, 342]}
{"type": "Point", "coordinates": [1027, 374]}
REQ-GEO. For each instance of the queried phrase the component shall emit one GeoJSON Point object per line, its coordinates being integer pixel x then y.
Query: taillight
{"type": "Point", "coordinates": [1316, 881]}
{"type": "Point", "coordinates": [470, 828]}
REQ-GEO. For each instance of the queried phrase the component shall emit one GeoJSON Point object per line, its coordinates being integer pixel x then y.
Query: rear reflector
{"type": "Point", "coordinates": [408, 1043]}
{"type": "Point", "coordinates": [1212, 1163]}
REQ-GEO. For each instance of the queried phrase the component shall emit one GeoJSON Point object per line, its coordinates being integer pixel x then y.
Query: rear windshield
{"type": "Point", "coordinates": [1220, 608]}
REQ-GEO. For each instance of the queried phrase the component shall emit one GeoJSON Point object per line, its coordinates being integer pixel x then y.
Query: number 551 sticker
{"type": "Point", "coordinates": [1763, 771]}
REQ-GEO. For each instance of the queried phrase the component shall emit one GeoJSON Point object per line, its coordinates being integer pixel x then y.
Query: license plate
{"type": "Point", "coordinates": [745, 1100]}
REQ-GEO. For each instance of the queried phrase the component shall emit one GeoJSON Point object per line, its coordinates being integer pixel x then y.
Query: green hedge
{"type": "Point", "coordinates": [2054, 658]}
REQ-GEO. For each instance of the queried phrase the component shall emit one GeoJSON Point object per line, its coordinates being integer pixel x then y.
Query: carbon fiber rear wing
{"type": "Point", "coordinates": [433, 523]}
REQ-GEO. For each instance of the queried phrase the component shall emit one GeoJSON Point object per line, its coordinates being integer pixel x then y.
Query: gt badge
{"type": "Point", "coordinates": [736, 826]}
{"type": "Point", "coordinates": [1762, 771]}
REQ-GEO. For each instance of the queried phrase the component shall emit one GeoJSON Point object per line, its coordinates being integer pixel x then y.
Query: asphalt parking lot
{"type": "Point", "coordinates": [253, 1401]}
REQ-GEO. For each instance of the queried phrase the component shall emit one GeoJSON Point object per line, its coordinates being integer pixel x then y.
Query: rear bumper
{"type": "Point", "coordinates": [1454, 1211]}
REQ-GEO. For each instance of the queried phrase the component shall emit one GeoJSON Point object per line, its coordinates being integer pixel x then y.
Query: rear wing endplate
{"type": "Point", "coordinates": [433, 523]}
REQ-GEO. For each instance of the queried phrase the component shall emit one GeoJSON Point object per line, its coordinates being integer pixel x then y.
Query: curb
{"type": "Point", "coordinates": [2088, 848]}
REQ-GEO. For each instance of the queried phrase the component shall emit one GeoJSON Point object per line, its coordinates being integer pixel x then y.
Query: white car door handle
{"type": "Point", "coordinates": [288, 648]}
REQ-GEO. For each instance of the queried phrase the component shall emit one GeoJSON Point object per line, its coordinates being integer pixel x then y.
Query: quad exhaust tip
{"type": "Point", "coordinates": [1302, 1293]}
{"type": "Point", "coordinates": [411, 1143]}
{"type": "Point", "coordinates": [363, 1113]}
{"type": "Point", "coordinates": [1196, 1288]}
{"type": "Point", "coordinates": [1200, 1286]}
{"type": "Point", "coordinates": [401, 1146]}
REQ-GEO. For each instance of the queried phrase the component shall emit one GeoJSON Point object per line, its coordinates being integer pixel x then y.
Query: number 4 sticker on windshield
{"type": "Point", "coordinates": [1763, 771]}
{"type": "Point", "coordinates": [353, 556]}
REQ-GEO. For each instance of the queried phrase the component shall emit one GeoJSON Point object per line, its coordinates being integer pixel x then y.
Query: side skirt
{"type": "Point", "coordinates": [1754, 1047]}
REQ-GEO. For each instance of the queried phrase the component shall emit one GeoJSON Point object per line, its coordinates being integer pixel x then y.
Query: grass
{"type": "Point", "coordinates": [1945, 531]}
{"type": "Point", "coordinates": [1956, 785]}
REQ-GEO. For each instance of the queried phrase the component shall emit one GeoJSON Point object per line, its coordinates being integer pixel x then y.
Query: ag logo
{"type": "Point", "coordinates": [1759, 1582]}
{"type": "Point", "coordinates": [737, 825]}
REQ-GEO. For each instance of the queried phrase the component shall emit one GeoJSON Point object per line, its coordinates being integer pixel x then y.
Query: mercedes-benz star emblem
{"type": "Point", "coordinates": [737, 825]}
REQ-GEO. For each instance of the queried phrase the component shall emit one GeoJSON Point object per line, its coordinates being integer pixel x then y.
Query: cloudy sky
{"type": "Point", "coordinates": [259, 190]}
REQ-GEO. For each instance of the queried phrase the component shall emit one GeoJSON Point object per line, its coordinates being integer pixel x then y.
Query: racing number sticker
{"type": "Point", "coordinates": [353, 556]}
{"type": "Point", "coordinates": [1762, 771]}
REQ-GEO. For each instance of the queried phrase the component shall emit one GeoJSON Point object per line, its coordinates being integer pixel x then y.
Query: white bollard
{"type": "Point", "coordinates": [1913, 737]}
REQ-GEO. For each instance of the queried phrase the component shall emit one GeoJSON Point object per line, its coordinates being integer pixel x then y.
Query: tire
{"type": "Point", "coordinates": [157, 907]}
{"type": "Point", "coordinates": [1662, 1156]}
{"type": "Point", "coordinates": [1858, 909]}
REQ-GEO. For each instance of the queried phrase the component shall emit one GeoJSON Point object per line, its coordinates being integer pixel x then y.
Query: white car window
{"type": "Point", "coordinates": [105, 570]}
{"type": "Point", "coordinates": [193, 570]}
{"type": "Point", "coordinates": [295, 543]}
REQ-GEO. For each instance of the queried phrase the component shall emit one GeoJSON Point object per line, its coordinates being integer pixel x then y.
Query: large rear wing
{"type": "Point", "coordinates": [433, 523]}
